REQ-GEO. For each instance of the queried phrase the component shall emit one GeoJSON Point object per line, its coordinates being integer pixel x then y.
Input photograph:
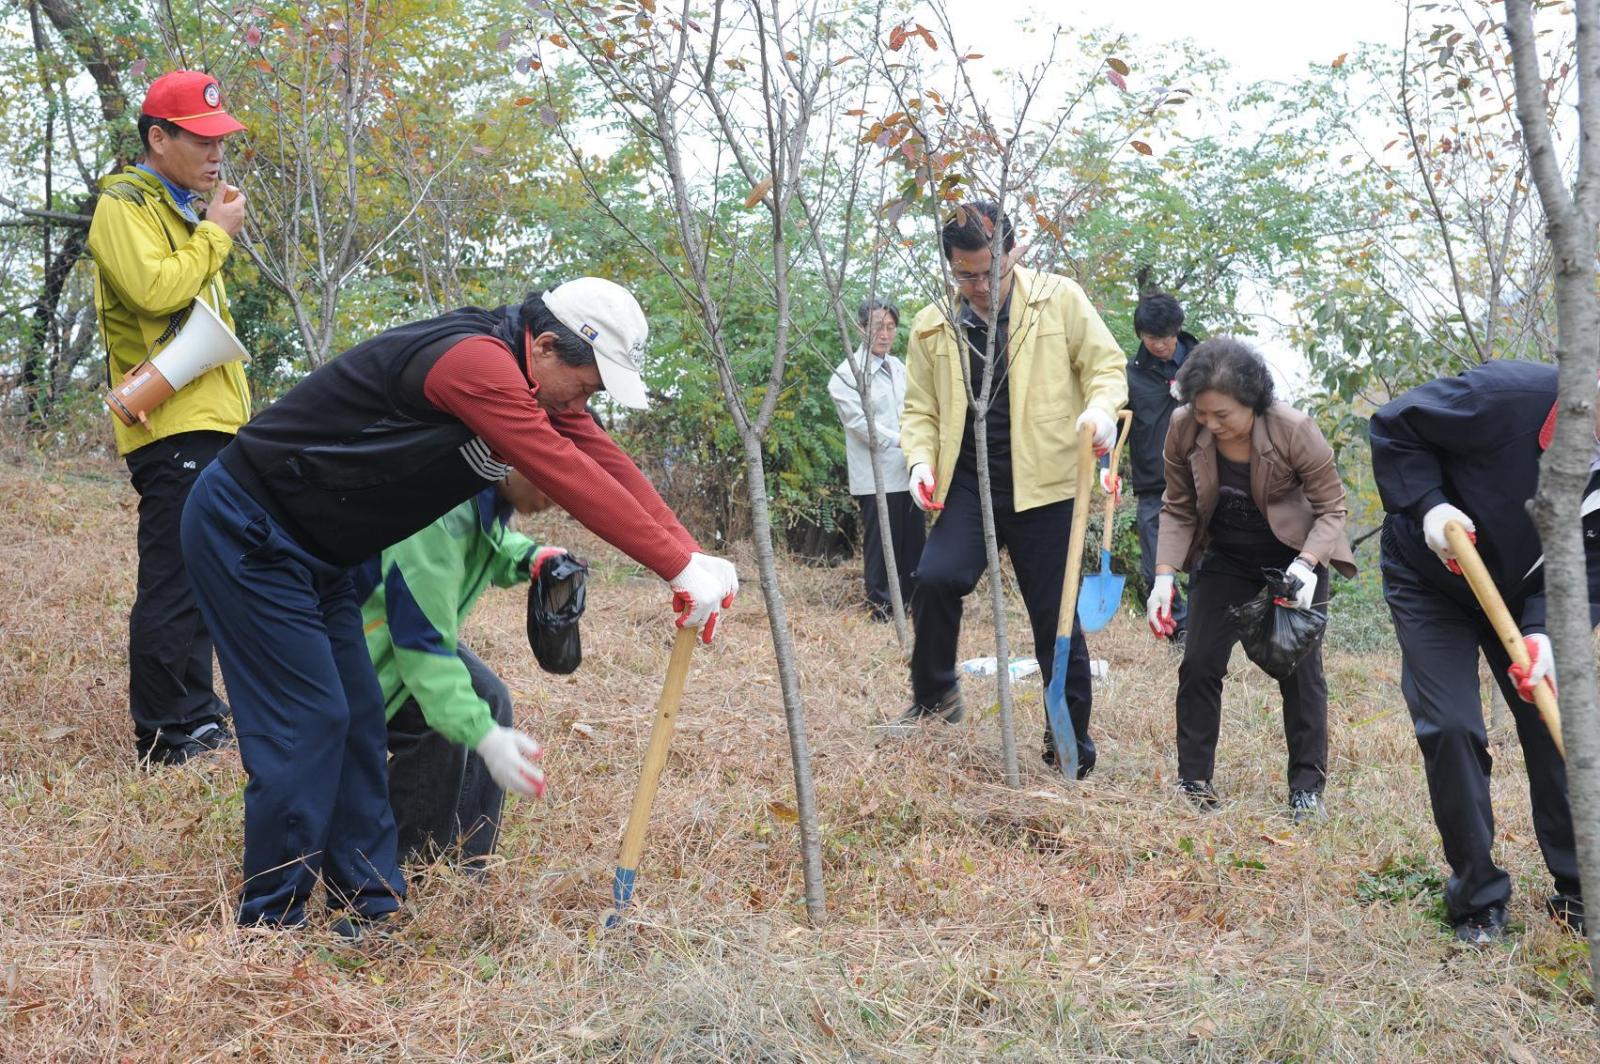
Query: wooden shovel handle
{"type": "Point", "coordinates": [1494, 607]}
{"type": "Point", "coordinates": [1124, 423]}
{"type": "Point", "coordinates": [655, 757]}
{"type": "Point", "coordinates": [1080, 529]}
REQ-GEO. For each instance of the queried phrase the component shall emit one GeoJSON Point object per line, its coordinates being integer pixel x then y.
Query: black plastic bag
{"type": "Point", "coordinates": [555, 605]}
{"type": "Point", "coordinates": [1276, 637]}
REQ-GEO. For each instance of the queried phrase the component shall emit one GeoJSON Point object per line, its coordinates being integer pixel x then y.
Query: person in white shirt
{"type": "Point", "coordinates": [886, 382]}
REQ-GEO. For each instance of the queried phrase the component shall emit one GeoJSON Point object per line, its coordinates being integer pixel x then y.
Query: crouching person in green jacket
{"type": "Point", "coordinates": [453, 750]}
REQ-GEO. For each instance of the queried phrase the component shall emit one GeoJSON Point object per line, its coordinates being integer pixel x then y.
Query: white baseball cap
{"type": "Point", "coordinates": [606, 314]}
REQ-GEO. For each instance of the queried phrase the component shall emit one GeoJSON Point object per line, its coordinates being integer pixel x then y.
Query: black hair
{"type": "Point", "coordinates": [971, 228]}
{"type": "Point", "coordinates": [1230, 366]}
{"type": "Point", "coordinates": [1157, 314]}
{"type": "Point", "coordinates": [864, 315]}
{"type": "Point", "coordinates": [570, 348]}
{"type": "Point", "coordinates": [149, 122]}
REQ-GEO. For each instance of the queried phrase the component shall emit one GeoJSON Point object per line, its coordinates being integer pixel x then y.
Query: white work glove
{"type": "Point", "coordinates": [705, 586]}
{"type": "Point", "coordinates": [1541, 664]}
{"type": "Point", "coordinates": [1307, 590]}
{"type": "Point", "coordinates": [1433, 523]}
{"type": "Point", "coordinates": [922, 485]}
{"type": "Point", "coordinates": [510, 757]}
{"type": "Point", "coordinates": [888, 441]}
{"type": "Point", "coordinates": [1158, 607]}
{"type": "Point", "coordinates": [1105, 429]}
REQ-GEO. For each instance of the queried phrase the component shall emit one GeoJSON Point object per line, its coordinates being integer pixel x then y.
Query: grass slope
{"type": "Point", "coordinates": [967, 921]}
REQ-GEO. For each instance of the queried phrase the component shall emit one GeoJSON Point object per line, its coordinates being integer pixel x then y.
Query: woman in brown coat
{"type": "Point", "coordinates": [1251, 484]}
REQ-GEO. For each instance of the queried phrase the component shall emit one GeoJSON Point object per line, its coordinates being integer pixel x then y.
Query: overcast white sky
{"type": "Point", "coordinates": [1261, 40]}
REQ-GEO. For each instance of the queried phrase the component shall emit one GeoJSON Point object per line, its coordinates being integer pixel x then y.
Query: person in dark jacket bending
{"type": "Point", "coordinates": [1153, 396]}
{"type": "Point", "coordinates": [359, 455]}
{"type": "Point", "coordinates": [1467, 449]}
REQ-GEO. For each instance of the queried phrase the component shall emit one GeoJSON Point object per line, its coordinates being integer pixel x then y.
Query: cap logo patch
{"type": "Point", "coordinates": [636, 355]}
{"type": "Point", "coordinates": [589, 332]}
{"type": "Point", "coordinates": [213, 97]}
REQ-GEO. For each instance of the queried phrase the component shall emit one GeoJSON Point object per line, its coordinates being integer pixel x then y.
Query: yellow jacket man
{"type": "Point", "coordinates": [1056, 368]}
{"type": "Point", "coordinates": [157, 248]}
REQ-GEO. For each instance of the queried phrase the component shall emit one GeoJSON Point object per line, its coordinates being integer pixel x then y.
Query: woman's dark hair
{"type": "Point", "coordinates": [971, 228]}
{"type": "Point", "coordinates": [1157, 314]}
{"type": "Point", "coordinates": [571, 349]}
{"type": "Point", "coordinates": [864, 315]}
{"type": "Point", "coordinates": [149, 122]}
{"type": "Point", "coordinates": [1230, 366]}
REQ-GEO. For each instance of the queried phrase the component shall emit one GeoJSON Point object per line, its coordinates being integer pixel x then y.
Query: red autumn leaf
{"type": "Point", "coordinates": [757, 193]}
{"type": "Point", "coordinates": [1339, 62]}
{"type": "Point", "coordinates": [252, 36]}
{"type": "Point", "coordinates": [1141, 147]}
{"type": "Point", "coordinates": [1117, 80]}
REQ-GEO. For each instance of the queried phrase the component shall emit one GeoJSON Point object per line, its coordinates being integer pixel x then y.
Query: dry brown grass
{"type": "Point", "coordinates": [967, 921]}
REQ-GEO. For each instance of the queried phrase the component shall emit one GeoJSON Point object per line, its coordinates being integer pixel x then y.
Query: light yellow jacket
{"type": "Point", "coordinates": [1062, 360]}
{"type": "Point", "coordinates": [150, 264]}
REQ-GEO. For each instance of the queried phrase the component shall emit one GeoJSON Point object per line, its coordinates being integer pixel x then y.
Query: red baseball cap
{"type": "Point", "coordinates": [192, 100]}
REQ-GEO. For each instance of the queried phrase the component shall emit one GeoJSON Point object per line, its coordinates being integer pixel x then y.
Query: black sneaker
{"type": "Point", "coordinates": [213, 734]}
{"type": "Point", "coordinates": [881, 612]}
{"type": "Point", "coordinates": [356, 930]}
{"type": "Point", "coordinates": [950, 709]}
{"type": "Point", "coordinates": [153, 751]}
{"type": "Point", "coordinates": [1307, 807]}
{"type": "Point", "coordinates": [1567, 910]}
{"type": "Point", "coordinates": [1200, 795]}
{"type": "Point", "coordinates": [1482, 928]}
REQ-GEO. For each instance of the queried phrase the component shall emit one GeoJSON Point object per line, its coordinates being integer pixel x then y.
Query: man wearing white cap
{"type": "Point", "coordinates": [360, 454]}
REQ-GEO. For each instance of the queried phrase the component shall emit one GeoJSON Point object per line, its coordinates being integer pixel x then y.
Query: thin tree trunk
{"type": "Point", "coordinates": [997, 593]}
{"type": "Point", "coordinates": [788, 678]}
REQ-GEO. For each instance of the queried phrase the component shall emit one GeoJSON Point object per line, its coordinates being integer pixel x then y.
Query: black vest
{"type": "Point", "coordinates": [354, 458]}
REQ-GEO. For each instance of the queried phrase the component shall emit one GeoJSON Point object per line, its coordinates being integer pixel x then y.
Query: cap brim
{"type": "Point", "coordinates": [217, 124]}
{"type": "Point", "coordinates": [626, 386]}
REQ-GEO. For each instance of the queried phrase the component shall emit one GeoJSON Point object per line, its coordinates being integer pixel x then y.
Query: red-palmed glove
{"type": "Point", "coordinates": [1158, 607]}
{"type": "Point", "coordinates": [1433, 523]}
{"type": "Point", "coordinates": [922, 487]}
{"type": "Point", "coordinates": [542, 555]}
{"type": "Point", "coordinates": [706, 586]}
{"type": "Point", "coordinates": [1541, 665]}
{"type": "Point", "coordinates": [512, 759]}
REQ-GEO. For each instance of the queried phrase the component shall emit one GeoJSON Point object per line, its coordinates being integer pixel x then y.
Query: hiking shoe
{"type": "Point", "coordinates": [1482, 928]}
{"type": "Point", "coordinates": [163, 749]}
{"type": "Point", "coordinates": [213, 734]}
{"type": "Point", "coordinates": [950, 709]}
{"type": "Point", "coordinates": [1307, 807]}
{"type": "Point", "coordinates": [356, 930]}
{"type": "Point", "coordinates": [1567, 910]}
{"type": "Point", "coordinates": [1200, 795]}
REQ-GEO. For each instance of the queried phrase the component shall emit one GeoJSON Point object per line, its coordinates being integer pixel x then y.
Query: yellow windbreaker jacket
{"type": "Point", "coordinates": [1062, 359]}
{"type": "Point", "coordinates": [150, 266]}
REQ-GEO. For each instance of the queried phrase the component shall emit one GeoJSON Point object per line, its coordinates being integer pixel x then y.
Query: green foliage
{"type": "Point", "coordinates": [1403, 880]}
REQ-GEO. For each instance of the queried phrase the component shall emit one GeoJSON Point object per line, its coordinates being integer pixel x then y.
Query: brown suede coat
{"type": "Point", "coordinates": [1293, 481]}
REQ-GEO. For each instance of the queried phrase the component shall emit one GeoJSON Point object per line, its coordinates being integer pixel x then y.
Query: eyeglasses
{"type": "Point", "coordinates": [968, 280]}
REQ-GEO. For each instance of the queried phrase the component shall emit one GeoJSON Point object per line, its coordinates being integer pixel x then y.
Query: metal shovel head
{"type": "Point", "coordinates": [1100, 596]}
{"type": "Point", "coordinates": [1055, 711]}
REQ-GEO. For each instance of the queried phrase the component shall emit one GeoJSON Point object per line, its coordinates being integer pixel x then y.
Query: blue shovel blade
{"type": "Point", "coordinates": [1055, 711]}
{"type": "Point", "coordinates": [1100, 596]}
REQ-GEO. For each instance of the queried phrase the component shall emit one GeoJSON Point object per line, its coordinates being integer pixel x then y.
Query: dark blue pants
{"type": "Point", "coordinates": [952, 562]}
{"type": "Point", "coordinates": [1149, 535]}
{"type": "Point", "coordinates": [1441, 633]}
{"type": "Point", "coordinates": [307, 709]}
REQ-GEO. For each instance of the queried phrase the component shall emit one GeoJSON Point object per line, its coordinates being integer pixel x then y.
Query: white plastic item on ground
{"type": "Point", "coordinates": [1020, 667]}
{"type": "Point", "coordinates": [1099, 668]}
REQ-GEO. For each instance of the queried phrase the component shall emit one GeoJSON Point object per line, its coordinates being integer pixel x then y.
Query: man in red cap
{"type": "Point", "coordinates": [158, 246]}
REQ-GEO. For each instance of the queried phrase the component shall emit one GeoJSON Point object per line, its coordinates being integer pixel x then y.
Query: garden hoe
{"type": "Point", "coordinates": [1055, 696]}
{"type": "Point", "coordinates": [1472, 567]}
{"type": "Point", "coordinates": [1102, 592]}
{"type": "Point", "coordinates": [655, 759]}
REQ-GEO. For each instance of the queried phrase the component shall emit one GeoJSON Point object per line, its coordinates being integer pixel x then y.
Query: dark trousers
{"type": "Point", "coordinates": [952, 562]}
{"type": "Point", "coordinates": [1441, 634]}
{"type": "Point", "coordinates": [169, 646]}
{"type": "Point", "coordinates": [444, 800]}
{"type": "Point", "coordinates": [1220, 582]}
{"type": "Point", "coordinates": [1149, 535]}
{"type": "Point", "coordinates": [907, 532]}
{"type": "Point", "coordinates": [307, 709]}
